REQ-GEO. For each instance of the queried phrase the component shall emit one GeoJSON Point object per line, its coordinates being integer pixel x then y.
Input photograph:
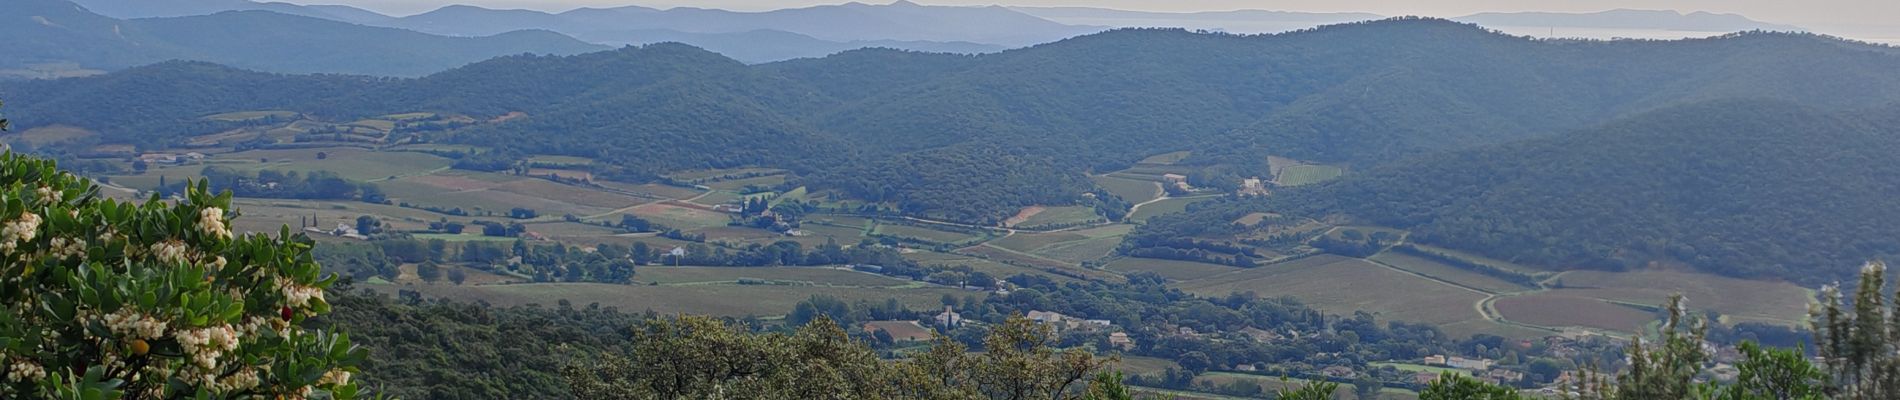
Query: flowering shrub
{"type": "Point", "coordinates": [101, 299]}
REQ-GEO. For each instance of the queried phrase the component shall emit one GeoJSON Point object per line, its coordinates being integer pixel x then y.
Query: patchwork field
{"type": "Point", "coordinates": [1343, 285]}
{"type": "Point", "coordinates": [922, 233]}
{"type": "Point", "coordinates": [1065, 216]}
{"type": "Point", "coordinates": [1132, 190]}
{"type": "Point", "coordinates": [1058, 267]}
{"type": "Point", "coordinates": [1558, 309]}
{"type": "Point", "coordinates": [1307, 174]}
{"type": "Point", "coordinates": [267, 215]}
{"type": "Point", "coordinates": [1171, 269]}
{"type": "Point", "coordinates": [737, 184]}
{"type": "Point", "coordinates": [1448, 273]}
{"type": "Point", "coordinates": [1074, 246]}
{"type": "Point", "coordinates": [679, 217]}
{"type": "Point", "coordinates": [651, 190]}
{"type": "Point", "coordinates": [721, 300]}
{"type": "Point", "coordinates": [815, 276]}
{"type": "Point", "coordinates": [1736, 299]}
{"type": "Point", "coordinates": [993, 268]}
{"type": "Point", "coordinates": [1166, 206]}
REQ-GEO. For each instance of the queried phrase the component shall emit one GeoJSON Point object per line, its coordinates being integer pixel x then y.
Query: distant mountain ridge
{"type": "Point", "coordinates": [58, 31]}
{"type": "Point", "coordinates": [753, 37]}
{"type": "Point", "coordinates": [1630, 19]}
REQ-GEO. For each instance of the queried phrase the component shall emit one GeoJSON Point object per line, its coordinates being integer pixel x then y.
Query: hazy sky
{"type": "Point", "coordinates": [1861, 14]}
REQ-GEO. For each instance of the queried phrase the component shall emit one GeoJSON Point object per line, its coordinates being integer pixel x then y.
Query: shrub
{"type": "Point", "coordinates": [101, 299]}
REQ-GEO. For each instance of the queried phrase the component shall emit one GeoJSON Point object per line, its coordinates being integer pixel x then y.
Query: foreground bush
{"type": "Point", "coordinates": [101, 299]}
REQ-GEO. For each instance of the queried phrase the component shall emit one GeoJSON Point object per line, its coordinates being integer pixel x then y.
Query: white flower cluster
{"type": "Point", "coordinates": [170, 252]}
{"type": "Point", "coordinates": [335, 377]}
{"type": "Point", "coordinates": [47, 195]}
{"type": "Point", "coordinates": [65, 248]}
{"type": "Point", "coordinates": [20, 230]}
{"type": "Point", "coordinates": [205, 345]}
{"type": "Point", "coordinates": [242, 380]}
{"type": "Point", "coordinates": [211, 222]}
{"type": "Point", "coordinates": [299, 296]}
{"type": "Point", "coordinates": [23, 370]}
{"type": "Point", "coordinates": [135, 325]}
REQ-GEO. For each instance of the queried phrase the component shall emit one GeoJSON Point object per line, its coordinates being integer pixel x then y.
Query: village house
{"type": "Point", "coordinates": [1338, 371]}
{"type": "Point", "coordinates": [1477, 364]}
{"type": "Point", "coordinates": [1121, 340]}
{"type": "Point", "coordinates": [1178, 180]}
{"type": "Point", "coordinates": [1260, 335]}
{"type": "Point", "coordinates": [1245, 367]}
{"type": "Point", "coordinates": [1505, 375]}
{"type": "Point", "coordinates": [1423, 378]}
{"type": "Point", "coordinates": [1052, 318]}
{"type": "Point", "coordinates": [1436, 360]}
{"type": "Point", "coordinates": [1098, 323]}
{"type": "Point", "coordinates": [949, 319]}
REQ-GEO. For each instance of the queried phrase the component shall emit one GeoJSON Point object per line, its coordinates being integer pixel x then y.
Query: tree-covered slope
{"type": "Point", "coordinates": [1749, 188]}
{"type": "Point", "coordinates": [892, 126]}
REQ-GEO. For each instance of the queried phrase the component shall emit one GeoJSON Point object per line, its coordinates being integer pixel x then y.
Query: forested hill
{"type": "Point", "coordinates": [975, 138]}
{"type": "Point", "coordinates": [1747, 188]}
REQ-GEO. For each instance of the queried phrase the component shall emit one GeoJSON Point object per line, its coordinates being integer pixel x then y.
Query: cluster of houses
{"type": "Point", "coordinates": [1177, 180]}
{"type": "Point", "coordinates": [342, 230]}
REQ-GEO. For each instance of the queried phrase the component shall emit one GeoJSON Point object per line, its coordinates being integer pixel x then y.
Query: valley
{"type": "Point", "coordinates": [1217, 215]}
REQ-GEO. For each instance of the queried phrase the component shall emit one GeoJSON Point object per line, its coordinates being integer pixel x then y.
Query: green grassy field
{"type": "Point", "coordinates": [1415, 368]}
{"type": "Point", "coordinates": [483, 193]}
{"type": "Point", "coordinates": [815, 276]}
{"type": "Point", "coordinates": [348, 162]}
{"type": "Point", "coordinates": [1167, 158]}
{"type": "Point", "coordinates": [1342, 285]}
{"type": "Point", "coordinates": [1073, 246]}
{"type": "Point", "coordinates": [1449, 273]}
{"type": "Point", "coordinates": [1560, 309]}
{"type": "Point", "coordinates": [1168, 206]}
{"type": "Point", "coordinates": [1308, 174]}
{"type": "Point", "coordinates": [268, 215]}
{"type": "Point", "coordinates": [377, 124]}
{"type": "Point", "coordinates": [651, 190]}
{"type": "Point", "coordinates": [1171, 269]}
{"type": "Point", "coordinates": [737, 184]}
{"type": "Point", "coordinates": [1134, 365]}
{"type": "Point", "coordinates": [1007, 256]}
{"type": "Point", "coordinates": [1132, 190]}
{"type": "Point", "coordinates": [47, 134]}
{"type": "Point", "coordinates": [1736, 299]}
{"type": "Point", "coordinates": [715, 173]}
{"type": "Point", "coordinates": [681, 217]}
{"type": "Point", "coordinates": [993, 268]}
{"type": "Point", "coordinates": [922, 233]}
{"type": "Point", "coordinates": [462, 237]}
{"type": "Point", "coordinates": [1061, 216]}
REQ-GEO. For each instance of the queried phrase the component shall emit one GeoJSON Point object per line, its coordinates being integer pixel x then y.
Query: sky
{"type": "Point", "coordinates": [1821, 15]}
